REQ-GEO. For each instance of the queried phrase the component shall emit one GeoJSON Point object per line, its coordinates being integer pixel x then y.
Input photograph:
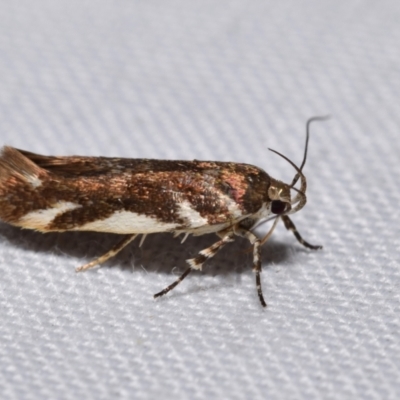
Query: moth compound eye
{"type": "Point", "coordinates": [278, 207]}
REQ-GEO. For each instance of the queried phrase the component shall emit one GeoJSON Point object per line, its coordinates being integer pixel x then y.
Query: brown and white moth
{"type": "Point", "coordinates": [140, 196]}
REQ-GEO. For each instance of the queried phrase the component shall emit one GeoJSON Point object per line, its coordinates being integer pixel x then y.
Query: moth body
{"type": "Point", "coordinates": [129, 196]}
{"type": "Point", "coordinates": [143, 196]}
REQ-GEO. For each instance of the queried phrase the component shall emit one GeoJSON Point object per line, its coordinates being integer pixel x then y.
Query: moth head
{"type": "Point", "coordinates": [279, 194]}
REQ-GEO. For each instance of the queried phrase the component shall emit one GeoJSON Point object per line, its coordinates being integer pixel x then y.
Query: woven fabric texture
{"type": "Point", "coordinates": [215, 80]}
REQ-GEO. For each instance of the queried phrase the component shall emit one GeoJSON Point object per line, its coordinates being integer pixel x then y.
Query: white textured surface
{"type": "Point", "coordinates": [221, 80]}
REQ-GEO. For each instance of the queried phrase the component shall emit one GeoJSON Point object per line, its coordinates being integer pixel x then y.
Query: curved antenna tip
{"type": "Point", "coordinates": [318, 118]}
{"type": "Point", "coordinates": [321, 117]}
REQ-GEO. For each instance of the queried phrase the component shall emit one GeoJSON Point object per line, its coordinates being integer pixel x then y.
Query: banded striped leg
{"type": "Point", "coordinates": [111, 253]}
{"type": "Point", "coordinates": [256, 242]}
{"type": "Point", "coordinates": [173, 284]}
{"type": "Point", "coordinates": [197, 262]}
{"type": "Point", "coordinates": [290, 226]}
{"type": "Point", "coordinates": [209, 252]}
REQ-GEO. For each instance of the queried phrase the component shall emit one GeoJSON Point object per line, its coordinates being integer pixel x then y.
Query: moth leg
{"type": "Point", "coordinates": [111, 253]}
{"type": "Point", "coordinates": [209, 252]}
{"type": "Point", "coordinates": [173, 284]}
{"type": "Point", "coordinates": [142, 240]}
{"type": "Point", "coordinates": [197, 262]}
{"type": "Point", "coordinates": [256, 242]}
{"type": "Point", "coordinates": [290, 226]}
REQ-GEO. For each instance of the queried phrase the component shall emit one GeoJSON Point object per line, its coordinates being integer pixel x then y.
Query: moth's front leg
{"type": "Point", "coordinates": [256, 243]}
{"type": "Point", "coordinates": [290, 226]}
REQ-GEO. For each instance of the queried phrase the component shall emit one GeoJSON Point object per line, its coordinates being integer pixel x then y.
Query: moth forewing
{"type": "Point", "coordinates": [135, 197]}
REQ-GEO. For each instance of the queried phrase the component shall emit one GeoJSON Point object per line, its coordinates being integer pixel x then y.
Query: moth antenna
{"type": "Point", "coordinates": [323, 118]}
{"type": "Point", "coordinates": [301, 198]}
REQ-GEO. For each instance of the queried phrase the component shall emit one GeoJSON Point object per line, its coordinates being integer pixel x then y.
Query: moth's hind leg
{"type": "Point", "coordinates": [111, 253]}
{"type": "Point", "coordinates": [256, 242]}
{"type": "Point", "coordinates": [290, 226]}
{"type": "Point", "coordinates": [197, 262]}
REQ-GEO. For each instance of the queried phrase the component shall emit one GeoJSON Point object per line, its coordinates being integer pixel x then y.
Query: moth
{"type": "Point", "coordinates": [134, 197]}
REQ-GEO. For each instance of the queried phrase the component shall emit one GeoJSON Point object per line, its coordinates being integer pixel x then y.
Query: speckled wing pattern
{"type": "Point", "coordinates": [77, 193]}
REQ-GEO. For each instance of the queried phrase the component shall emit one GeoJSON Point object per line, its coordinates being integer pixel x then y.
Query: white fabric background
{"type": "Point", "coordinates": [219, 80]}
